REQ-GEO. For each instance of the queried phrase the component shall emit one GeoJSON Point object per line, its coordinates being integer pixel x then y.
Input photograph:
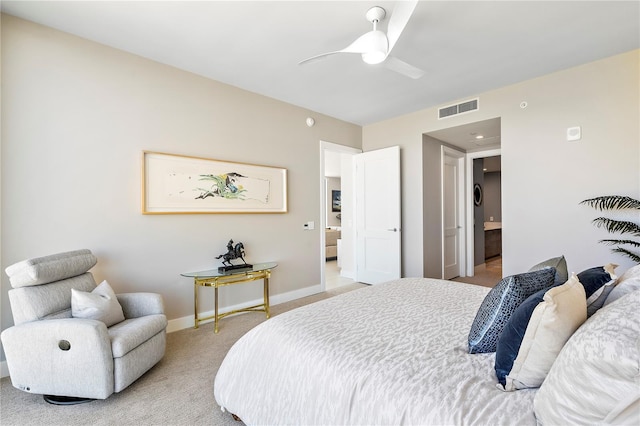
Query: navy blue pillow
{"type": "Point", "coordinates": [500, 303]}
{"type": "Point", "coordinates": [594, 278]}
{"type": "Point", "coordinates": [513, 334]}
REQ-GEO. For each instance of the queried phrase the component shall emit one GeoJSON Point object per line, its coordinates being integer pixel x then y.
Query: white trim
{"type": "Point", "coordinates": [461, 211]}
{"type": "Point", "coordinates": [469, 190]}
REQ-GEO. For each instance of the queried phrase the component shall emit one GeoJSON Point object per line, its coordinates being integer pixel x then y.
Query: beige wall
{"type": "Point", "coordinates": [544, 177]}
{"type": "Point", "coordinates": [76, 117]}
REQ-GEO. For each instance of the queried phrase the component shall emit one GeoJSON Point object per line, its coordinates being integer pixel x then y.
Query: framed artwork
{"type": "Point", "coordinates": [180, 184]}
{"type": "Point", "coordinates": [336, 205]}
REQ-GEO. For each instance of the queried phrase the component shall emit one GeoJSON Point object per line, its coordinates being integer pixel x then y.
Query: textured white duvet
{"type": "Point", "coordinates": [391, 354]}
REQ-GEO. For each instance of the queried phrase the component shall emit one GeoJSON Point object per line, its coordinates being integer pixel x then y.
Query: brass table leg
{"type": "Point", "coordinates": [215, 328]}
{"type": "Point", "coordinates": [266, 295]}
{"type": "Point", "coordinates": [195, 303]}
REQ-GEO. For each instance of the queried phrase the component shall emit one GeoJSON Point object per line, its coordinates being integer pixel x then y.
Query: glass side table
{"type": "Point", "coordinates": [214, 278]}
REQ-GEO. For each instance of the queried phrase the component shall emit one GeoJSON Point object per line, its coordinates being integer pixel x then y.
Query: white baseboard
{"type": "Point", "coordinates": [188, 321]}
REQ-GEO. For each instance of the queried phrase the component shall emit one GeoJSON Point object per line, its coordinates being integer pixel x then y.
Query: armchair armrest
{"type": "Point", "coordinates": [66, 357]}
{"type": "Point", "coordinates": [135, 305]}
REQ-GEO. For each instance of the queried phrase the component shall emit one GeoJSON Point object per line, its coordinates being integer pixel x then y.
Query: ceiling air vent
{"type": "Point", "coordinates": [463, 107]}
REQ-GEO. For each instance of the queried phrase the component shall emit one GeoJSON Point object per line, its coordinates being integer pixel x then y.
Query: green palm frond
{"type": "Point", "coordinates": [620, 226]}
{"type": "Point", "coordinates": [620, 242]}
{"type": "Point", "coordinates": [611, 202]}
{"type": "Point", "coordinates": [633, 256]}
{"type": "Point", "coordinates": [617, 202]}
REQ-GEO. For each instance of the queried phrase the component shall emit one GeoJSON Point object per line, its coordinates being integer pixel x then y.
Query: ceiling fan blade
{"type": "Point", "coordinates": [362, 44]}
{"type": "Point", "coordinates": [403, 68]}
{"type": "Point", "coordinates": [399, 19]}
{"type": "Point", "coordinates": [320, 56]}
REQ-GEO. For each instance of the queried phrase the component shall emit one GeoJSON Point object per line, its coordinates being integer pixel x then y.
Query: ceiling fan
{"type": "Point", "coordinates": [375, 46]}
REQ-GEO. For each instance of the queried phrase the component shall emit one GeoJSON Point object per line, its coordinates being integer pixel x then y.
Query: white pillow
{"type": "Point", "coordinates": [101, 304]}
{"type": "Point", "coordinates": [536, 332]}
{"type": "Point", "coordinates": [628, 282]}
{"type": "Point", "coordinates": [595, 379]}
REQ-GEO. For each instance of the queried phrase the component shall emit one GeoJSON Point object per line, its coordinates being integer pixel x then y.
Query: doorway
{"type": "Point", "coordinates": [478, 140]}
{"type": "Point", "coordinates": [484, 217]}
{"type": "Point", "coordinates": [336, 199]}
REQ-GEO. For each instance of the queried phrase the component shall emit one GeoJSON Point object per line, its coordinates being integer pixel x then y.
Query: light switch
{"type": "Point", "coordinates": [309, 226]}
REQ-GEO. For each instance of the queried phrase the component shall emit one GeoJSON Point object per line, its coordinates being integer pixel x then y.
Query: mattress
{"type": "Point", "coordinates": [391, 354]}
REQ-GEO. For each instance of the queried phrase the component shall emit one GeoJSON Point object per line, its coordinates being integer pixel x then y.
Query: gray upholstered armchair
{"type": "Point", "coordinates": [72, 340]}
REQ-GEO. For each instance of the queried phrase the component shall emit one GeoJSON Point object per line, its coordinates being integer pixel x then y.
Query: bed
{"type": "Point", "coordinates": [391, 354]}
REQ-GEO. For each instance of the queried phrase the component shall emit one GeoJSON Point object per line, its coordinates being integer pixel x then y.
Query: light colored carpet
{"type": "Point", "coordinates": [177, 391]}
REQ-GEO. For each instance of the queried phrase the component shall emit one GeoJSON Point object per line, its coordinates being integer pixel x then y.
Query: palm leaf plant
{"type": "Point", "coordinates": [618, 202]}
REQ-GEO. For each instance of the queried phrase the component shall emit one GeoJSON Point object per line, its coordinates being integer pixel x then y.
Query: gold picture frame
{"type": "Point", "coordinates": [180, 184]}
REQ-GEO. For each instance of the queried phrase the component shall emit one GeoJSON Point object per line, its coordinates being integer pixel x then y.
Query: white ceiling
{"type": "Point", "coordinates": [465, 47]}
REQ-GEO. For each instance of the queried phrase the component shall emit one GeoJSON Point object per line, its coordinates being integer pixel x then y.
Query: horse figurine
{"type": "Point", "coordinates": [236, 252]}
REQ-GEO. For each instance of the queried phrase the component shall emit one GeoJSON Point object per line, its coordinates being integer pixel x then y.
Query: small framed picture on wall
{"type": "Point", "coordinates": [335, 201]}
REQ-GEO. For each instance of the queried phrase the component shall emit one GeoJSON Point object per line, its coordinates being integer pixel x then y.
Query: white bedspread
{"type": "Point", "coordinates": [391, 354]}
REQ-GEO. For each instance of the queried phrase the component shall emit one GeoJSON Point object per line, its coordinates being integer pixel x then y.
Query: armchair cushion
{"type": "Point", "coordinates": [101, 304]}
{"type": "Point", "coordinates": [47, 269]}
{"type": "Point", "coordinates": [131, 333]}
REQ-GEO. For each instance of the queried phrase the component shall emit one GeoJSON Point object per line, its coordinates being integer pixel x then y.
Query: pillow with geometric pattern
{"type": "Point", "coordinates": [500, 303]}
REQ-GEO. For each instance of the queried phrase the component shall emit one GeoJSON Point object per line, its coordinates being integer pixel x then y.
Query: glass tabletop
{"type": "Point", "coordinates": [215, 273]}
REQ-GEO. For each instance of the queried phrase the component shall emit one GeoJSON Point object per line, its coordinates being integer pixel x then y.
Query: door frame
{"type": "Point", "coordinates": [461, 212]}
{"type": "Point", "coordinates": [469, 210]}
{"type": "Point", "coordinates": [343, 149]}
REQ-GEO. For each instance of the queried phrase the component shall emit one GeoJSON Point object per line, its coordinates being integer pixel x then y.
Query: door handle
{"type": "Point", "coordinates": [393, 229]}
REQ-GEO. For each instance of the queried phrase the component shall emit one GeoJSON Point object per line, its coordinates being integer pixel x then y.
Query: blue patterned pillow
{"type": "Point", "coordinates": [500, 303]}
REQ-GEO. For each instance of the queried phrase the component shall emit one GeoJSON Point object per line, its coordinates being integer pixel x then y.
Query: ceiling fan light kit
{"type": "Point", "coordinates": [375, 46]}
{"type": "Point", "coordinates": [378, 46]}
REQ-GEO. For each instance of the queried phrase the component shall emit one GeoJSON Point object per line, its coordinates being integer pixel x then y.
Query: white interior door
{"type": "Point", "coordinates": [452, 213]}
{"type": "Point", "coordinates": [377, 182]}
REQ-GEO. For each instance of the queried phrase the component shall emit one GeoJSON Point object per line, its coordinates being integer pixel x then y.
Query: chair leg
{"type": "Point", "coordinates": [65, 400]}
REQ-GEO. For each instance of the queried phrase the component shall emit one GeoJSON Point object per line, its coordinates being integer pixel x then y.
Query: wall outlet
{"type": "Point", "coordinates": [490, 218]}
